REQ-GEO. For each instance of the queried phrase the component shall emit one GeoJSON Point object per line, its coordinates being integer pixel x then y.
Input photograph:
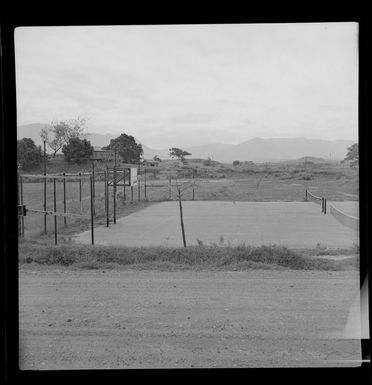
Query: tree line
{"type": "Point", "coordinates": [68, 137]}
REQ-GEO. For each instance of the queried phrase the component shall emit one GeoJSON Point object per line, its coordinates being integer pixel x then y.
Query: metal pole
{"type": "Point", "coordinates": [18, 202]}
{"type": "Point", "coordinates": [139, 182]}
{"type": "Point", "coordinates": [64, 199]}
{"type": "Point", "coordinates": [170, 187]}
{"type": "Point", "coordinates": [45, 181]}
{"type": "Point", "coordinates": [22, 218]}
{"type": "Point", "coordinates": [92, 207]}
{"type": "Point", "coordinates": [125, 198]}
{"type": "Point", "coordinates": [114, 188]}
{"type": "Point", "coordinates": [193, 193]}
{"type": "Point", "coordinates": [145, 183]}
{"type": "Point", "coordinates": [306, 195]}
{"type": "Point", "coordinates": [55, 209]}
{"type": "Point", "coordinates": [107, 199]}
{"type": "Point", "coordinates": [131, 193]}
{"type": "Point", "coordinates": [94, 190]}
{"type": "Point", "coordinates": [80, 200]}
{"type": "Point", "coordinates": [325, 206]}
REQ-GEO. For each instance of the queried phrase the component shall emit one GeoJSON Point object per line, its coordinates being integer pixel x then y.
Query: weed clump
{"type": "Point", "coordinates": [240, 257]}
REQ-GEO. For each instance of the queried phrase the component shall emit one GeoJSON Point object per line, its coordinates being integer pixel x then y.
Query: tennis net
{"type": "Point", "coordinates": [313, 198]}
{"type": "Point", "coordinates": [345, 219]}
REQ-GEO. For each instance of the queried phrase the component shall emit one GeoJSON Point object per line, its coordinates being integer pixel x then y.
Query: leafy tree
{"type": "Point", "coordinates": [236, 163]}
{"type": "Point", "coordinates": [127, 148]}
{"type": "Point", "coordinates": [61, 132]}
{"type": "Point", "coordinates": [352, 155]}
{"type": "Point", "coordinates": [175, 152]}
{"type": "Point", "coordinates": [28, 154]}
{"type": "Point", "coordinates": [77, 150]}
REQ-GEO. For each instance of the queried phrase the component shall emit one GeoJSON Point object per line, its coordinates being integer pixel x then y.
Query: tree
{"type": "Point", "coordinates": [236, 163]}
{"type": "Point", "coordinates": [77, 150]}
{"type": "Point", "coordinates": [175, 152]}
{"type": "Point", "coordinates": [127, 148]}
{"type": "Point", "coordinates": [352, 155]}
{"type": "Point", "coordinates": [61, 132]}
{"type": "Point", "coordinates": [28, 154]}
{"type": "Point", "coordinates": [181, 190]}
{"type": "Point", "coordinates": [156, 158]}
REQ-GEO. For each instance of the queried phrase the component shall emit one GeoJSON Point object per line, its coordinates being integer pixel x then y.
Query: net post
{"type": "Point", "coordinates": [55, 210]}
{"type": "Point", "coordinates": [64, 198]}
{"type": "Point", "coordinates": [92, 207]}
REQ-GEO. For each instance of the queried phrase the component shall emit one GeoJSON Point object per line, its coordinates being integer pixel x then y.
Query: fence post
{"type": "Point", "coordinates": [22, 218]}
{"type": "Point", "coordinates": [55, 210]}
{"type": "Point", "coordinates": [107, 191]}
{"type": "Point", "coordinates": [64, 199]}
{"type": "Point", "coordinates": [45, 181]}
{"type": "Point", "coordinates": [145, 182]}
{"type": "Point", "coordinates": [92, 208]}
{"type": "Point", "coordinates": [94, 190]}
{"type": "Point", "coordinates": [18, 202]}
{"type": "Point", "coordinates": [114, 190]}
{"type": "Point", "coordinates": [139, 189]}
{"type": "Point", "coordinates": [124, 196]}
{"type": "Point", "coordinates": [193, 186]}
{"type": "Point", "coordinates": [80, 197]}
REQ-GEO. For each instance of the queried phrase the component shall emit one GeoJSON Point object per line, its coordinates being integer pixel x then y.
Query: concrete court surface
{"type": "Point", "coordinates": [292, 224]}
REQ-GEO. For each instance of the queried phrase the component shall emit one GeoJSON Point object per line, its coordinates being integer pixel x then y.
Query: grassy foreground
{"type": "Point", "coordinates": [196, 257]}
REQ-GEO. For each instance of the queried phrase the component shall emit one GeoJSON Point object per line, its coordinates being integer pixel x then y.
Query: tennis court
{"type": "Point", "coordinates": [292, 224]}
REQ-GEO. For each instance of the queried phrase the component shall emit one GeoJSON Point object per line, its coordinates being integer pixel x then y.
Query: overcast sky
{"type": "Point", "coordinates": [193, 84]}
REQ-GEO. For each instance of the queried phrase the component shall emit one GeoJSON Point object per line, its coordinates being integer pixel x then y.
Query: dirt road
{"type": "Point", "coordinates": [72, 318]}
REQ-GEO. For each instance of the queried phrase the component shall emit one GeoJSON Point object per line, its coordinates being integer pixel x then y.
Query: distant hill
{"type": "Point", "coordinates": [256, 150]}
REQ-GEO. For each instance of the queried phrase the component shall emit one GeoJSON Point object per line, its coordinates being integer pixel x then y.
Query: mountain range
{"type": "Point", "coordinates": [255, 150]}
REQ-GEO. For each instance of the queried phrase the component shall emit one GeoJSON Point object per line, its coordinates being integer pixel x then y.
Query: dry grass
{"type": "Point", "coordinates": [197, 257]}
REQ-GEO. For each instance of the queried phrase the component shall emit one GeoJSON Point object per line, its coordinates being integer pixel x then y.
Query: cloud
{"type": "Point", "coordinates": [192, 84]}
